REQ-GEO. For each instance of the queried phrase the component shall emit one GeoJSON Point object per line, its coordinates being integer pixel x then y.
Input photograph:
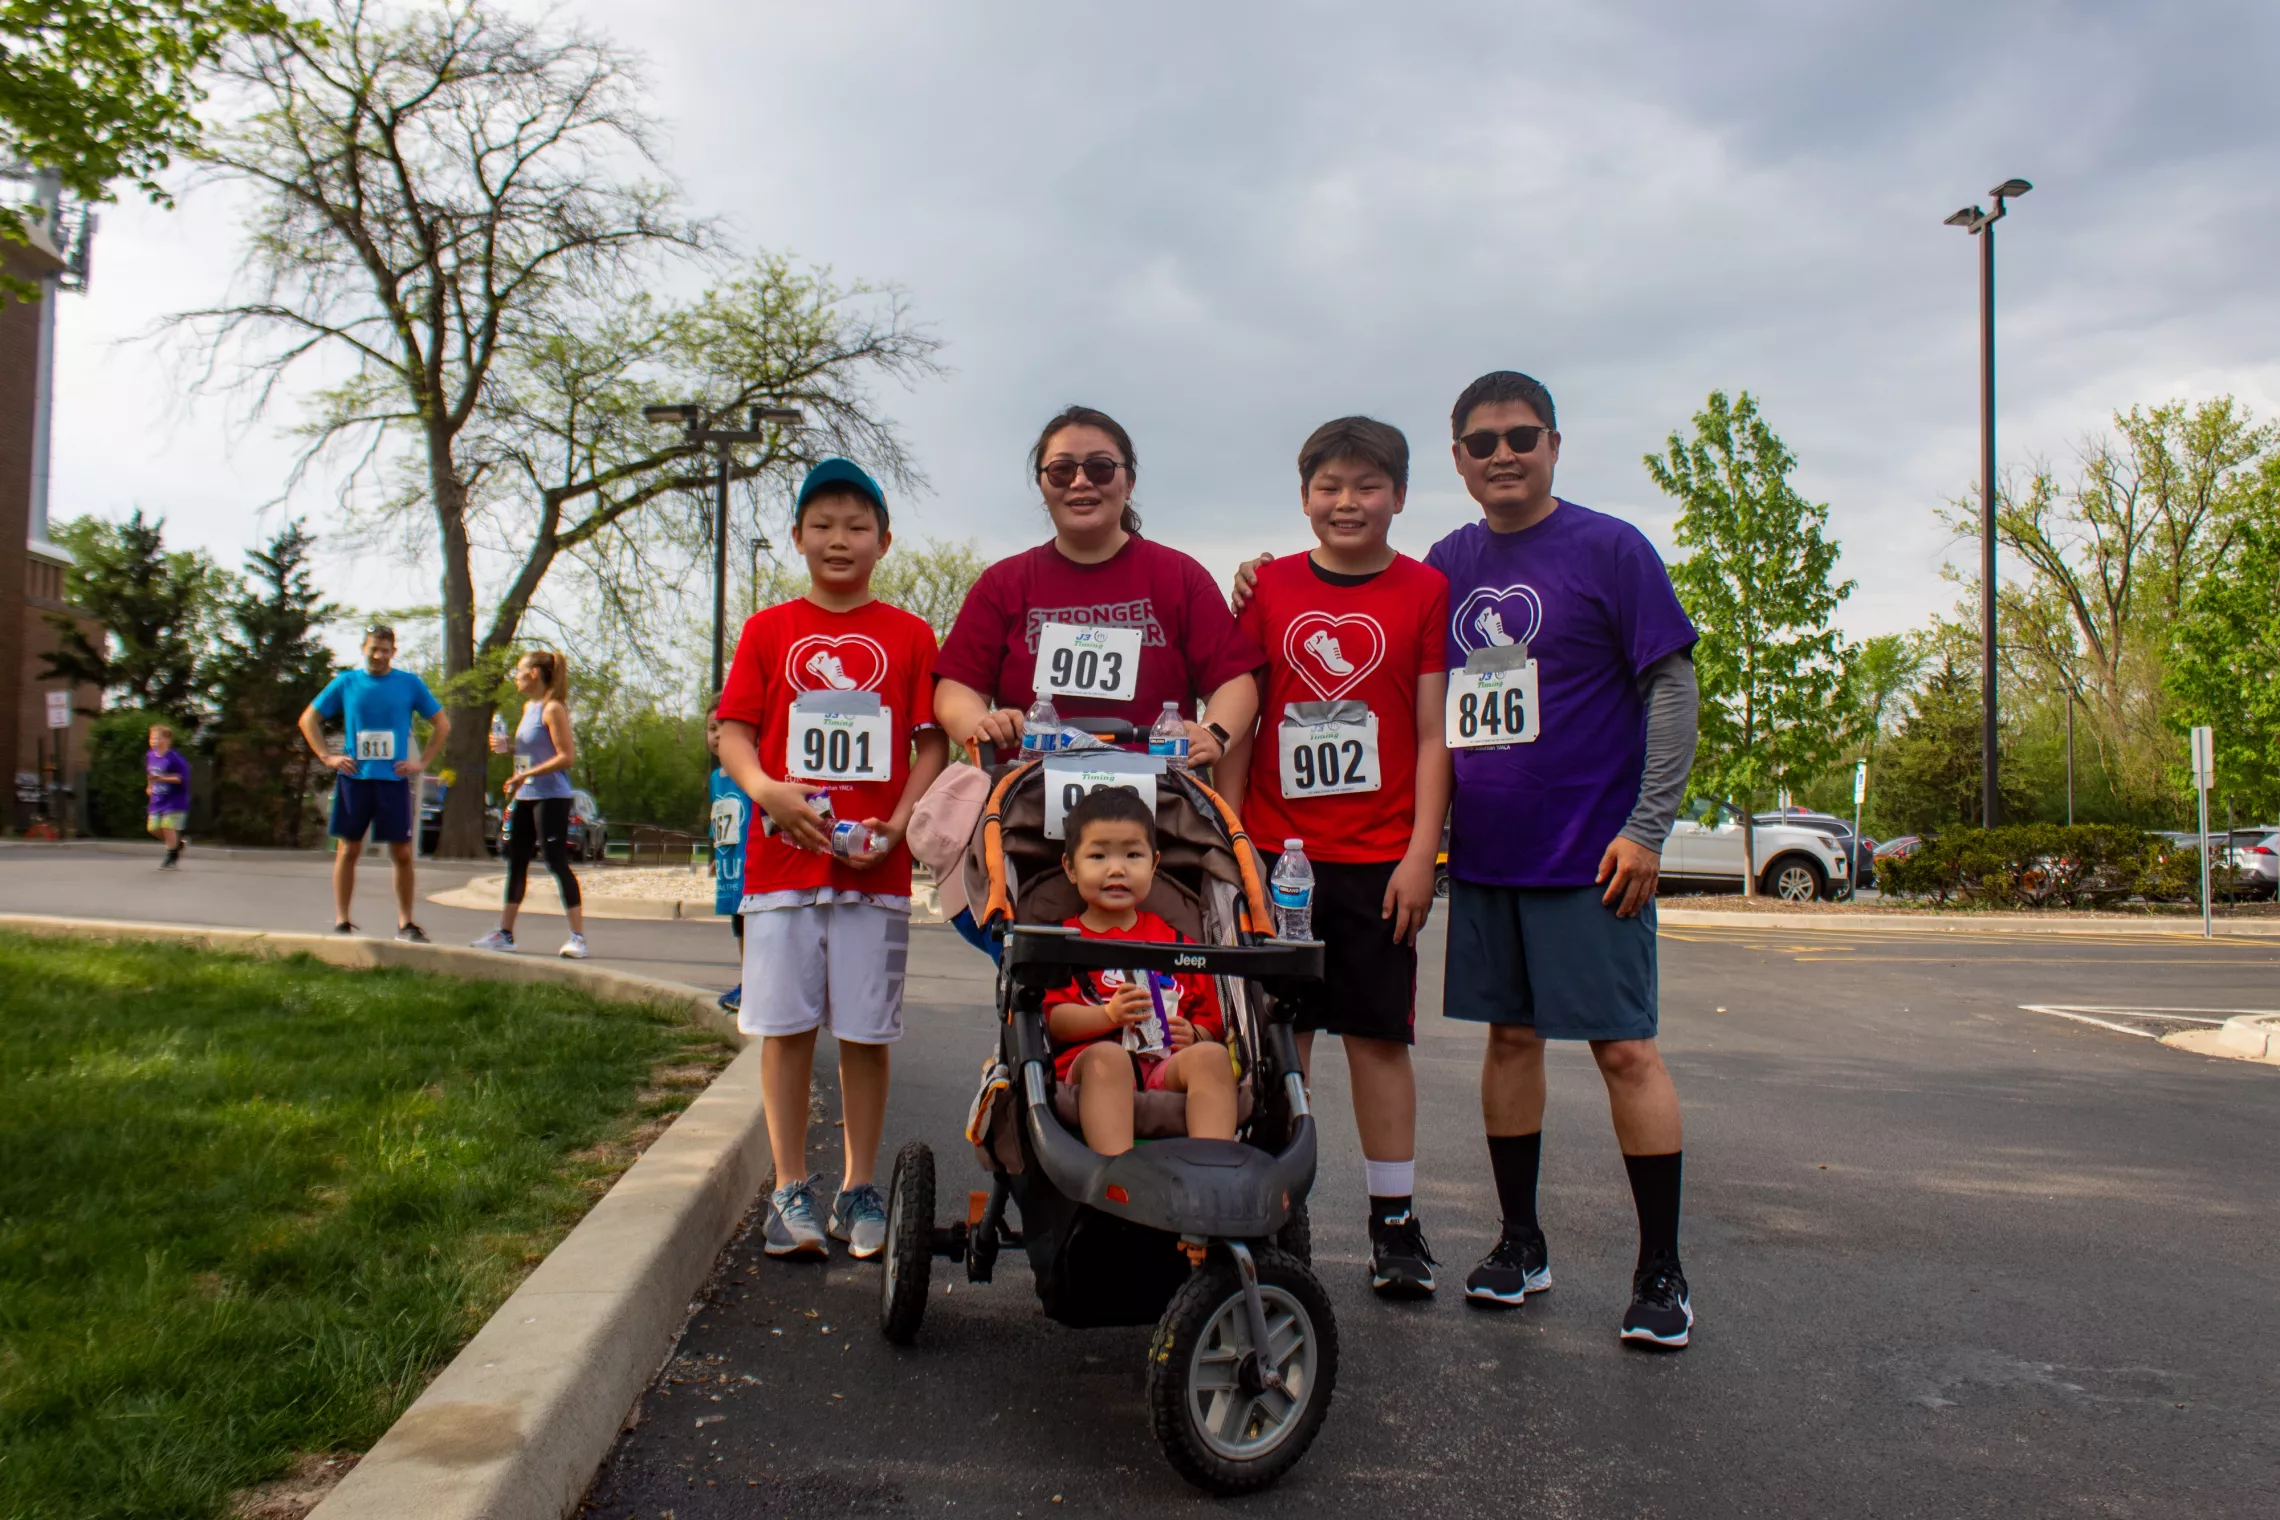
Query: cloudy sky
{"type": "Point", "coordinates": [1227, 222]}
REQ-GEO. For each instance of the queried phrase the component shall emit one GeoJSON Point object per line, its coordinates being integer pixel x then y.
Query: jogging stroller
{"type": "Point", "coordinates": [1206, 1239]}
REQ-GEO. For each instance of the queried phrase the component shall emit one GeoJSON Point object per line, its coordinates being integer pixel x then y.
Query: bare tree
{"type": "Point", "coordinates": [458, 206]}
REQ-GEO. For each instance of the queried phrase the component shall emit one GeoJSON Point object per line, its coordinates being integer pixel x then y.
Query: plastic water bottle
{"type": "Point", "coordinates": [1168, 739]}
{"type": "Point", "coordinates": [498, 728]}
{"type": "Point", "coordinates": [1292, 890]}
{"type": "Point", "coordinates": [1041, 727]}
{"type": "Point", "coordinates": [849, 838]}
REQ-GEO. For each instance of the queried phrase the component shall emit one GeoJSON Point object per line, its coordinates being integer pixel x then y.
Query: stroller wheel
{"type": "Point", "coordinates": [1221, 1427]}
{"type": "Point", "coordinates": [1297, 1235]}
{"type": "Point", "coordinates": [909, 1255]}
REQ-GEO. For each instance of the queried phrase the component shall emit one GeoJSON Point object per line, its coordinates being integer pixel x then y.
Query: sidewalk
{"type": "Point", "coordinates": [1898, 921]}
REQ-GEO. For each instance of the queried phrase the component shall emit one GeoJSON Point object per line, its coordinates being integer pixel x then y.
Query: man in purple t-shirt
{"type": "Point", "coordinates": [1572, 707]}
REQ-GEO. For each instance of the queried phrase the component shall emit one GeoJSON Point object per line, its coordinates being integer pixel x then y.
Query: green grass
{"type": "Point", "coordinates": [248, 1208]}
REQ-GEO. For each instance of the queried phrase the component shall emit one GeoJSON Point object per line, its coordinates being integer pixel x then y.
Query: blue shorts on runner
{"type": "Point", "coordinates": [382, 807]}
{"type": "Point", "coordinates": [1556, 958]}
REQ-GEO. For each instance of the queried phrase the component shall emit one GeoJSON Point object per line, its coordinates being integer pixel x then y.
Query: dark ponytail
{"type": "Point", "coordinates": [1085, 416]}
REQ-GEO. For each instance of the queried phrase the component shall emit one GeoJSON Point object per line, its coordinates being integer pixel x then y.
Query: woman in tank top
{"type": "Point", "coordinates": [538, 796]}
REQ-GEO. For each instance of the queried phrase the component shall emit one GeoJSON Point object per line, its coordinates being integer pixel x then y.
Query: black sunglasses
{"type": "Point", "coordinates": [1483, 443]}
{"type": "Point", "coordinates": [1099, 469]}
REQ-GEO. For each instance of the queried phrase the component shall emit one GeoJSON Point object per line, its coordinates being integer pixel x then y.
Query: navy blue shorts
{"type": "Point", "coordinates": [1556, 958]}
{"type": "Point", "coordinates": [383, 807]}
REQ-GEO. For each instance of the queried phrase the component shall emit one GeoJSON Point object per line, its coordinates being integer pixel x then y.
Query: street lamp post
{"type": "Point", "coordinates": [1981, 224]}
{"type": "Point", "coordinates": [691, 416]}
{"type": "Point", "coordinates": [761, 544]}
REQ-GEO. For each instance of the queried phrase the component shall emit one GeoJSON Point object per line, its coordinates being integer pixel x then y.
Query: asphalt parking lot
{"type": "Point", "coordinates": [1951, 1256]}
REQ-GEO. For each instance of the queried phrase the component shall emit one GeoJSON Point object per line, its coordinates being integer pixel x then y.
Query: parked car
{"type": "Point", "coordinates": [1900, 848]}
{"type": "Point", "coordinates": [1796, 864]}
{"type": "Point", "coordinates": [432, 793]}
{"type": "Point", "coordinates": [589, 830]}
{"type": "Point", "coordinates": [2260, 868]}
{"type": "Point", "coordinates": [1862, 851]}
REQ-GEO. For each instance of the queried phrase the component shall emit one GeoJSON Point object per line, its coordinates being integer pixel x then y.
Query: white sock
{"type": "Point", "coordinates": [1390, 1179]}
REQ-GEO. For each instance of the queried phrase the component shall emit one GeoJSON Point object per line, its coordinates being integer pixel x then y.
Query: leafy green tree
{"type": "Point", "coordinates": [99, 91]}
{"type": "Point", "coordinates": [2226, 669]}
{"type": "Point", "coordinates": [1884, 670]}
{"type": "Point", "coordinates": [156, 609]}
{"type": "Point", "coordinates": [1930, 776]}
{"type": "Point", "coordinates": [271, 663]}
{"type": "Point", "coordinates": [929, 577]}
{"type": "Point", "coordinates": [1760, 588]}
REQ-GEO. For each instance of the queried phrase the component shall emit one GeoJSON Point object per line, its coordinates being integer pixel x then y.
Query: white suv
{"type": "Point", "coordinates": [1704, 854]}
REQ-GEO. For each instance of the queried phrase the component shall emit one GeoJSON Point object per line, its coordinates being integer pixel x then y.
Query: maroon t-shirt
{"type": "Point", "coordinates": [1190, 644]}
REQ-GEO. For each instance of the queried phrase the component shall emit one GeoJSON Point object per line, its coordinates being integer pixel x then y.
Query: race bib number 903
{"type": "Point", "coordinates": [1492, 707]}
{"type": "Point", "coordinates": [1098, 662]}
{"type": "Point", "coordinates": [834, 738]}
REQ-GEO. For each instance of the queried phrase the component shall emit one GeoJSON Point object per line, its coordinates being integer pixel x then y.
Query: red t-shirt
{"type": "Point", "coordinates": [1328, 643]}
{"type": "Point", "coordinates": [1189, 649]}
{"type": "Point", "coordinates": [797, 647]}
{"type": "Point", "coordinates": [1195, 998]}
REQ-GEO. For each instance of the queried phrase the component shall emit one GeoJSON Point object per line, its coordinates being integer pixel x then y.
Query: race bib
{"type": "Point", "coordinates": [1492, 707]}
{"type": "Point", "coordinates": [375, 744]}
{"type": "Point", "coordinates": [1329, 749]}
{"type": "Point", "coordinates": [1068, 777]}
{"type": "Point", "coordinates": [839, 736]}
{"type": "Point", "coordinates": [1087, 661]}
{"type": "Point", "coordinates": [727, 823]}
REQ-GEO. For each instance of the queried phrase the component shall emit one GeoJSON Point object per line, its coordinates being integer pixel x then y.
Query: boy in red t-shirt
{"type": "Point", "coordinates": [1111, 856]}
{"type": "Point", "coordinates": [1349, 757]}
{"type": "Point", "coordinates": [829, 697]}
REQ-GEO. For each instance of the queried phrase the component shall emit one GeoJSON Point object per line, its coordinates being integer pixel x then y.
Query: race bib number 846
{"type": "Point", "coordinates": [1492, 707]}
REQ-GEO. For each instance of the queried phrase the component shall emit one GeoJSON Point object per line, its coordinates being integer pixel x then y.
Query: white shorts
{"type": "Point", "coordinates": [826, 963]}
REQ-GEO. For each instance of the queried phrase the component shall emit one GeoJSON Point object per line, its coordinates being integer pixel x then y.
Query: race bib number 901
{"type": "Point", "coordinates": [375, 744]}
{"type": "Point", "coordinates": [1491, 707]}
{"type": "Point", "coordinates": [840, 738]}
{"type": "Point", "coordinates": [1098, 662]}
{"type": "Point", "coordinates": [1329, 759]}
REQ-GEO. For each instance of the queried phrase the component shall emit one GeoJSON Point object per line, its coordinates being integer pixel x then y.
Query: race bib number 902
{"type": "Point", "coordinates": [1329, 759]}
{"type": "Point", "coordinates": [1492, 707]}
{"type": "Point", "coordinates": [1098, 662]}
{"type": "Point", "coordinates": [840, 738]}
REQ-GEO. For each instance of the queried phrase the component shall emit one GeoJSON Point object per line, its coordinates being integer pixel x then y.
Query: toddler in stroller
{"type": "Point", "coordinates": [1201, 1227]}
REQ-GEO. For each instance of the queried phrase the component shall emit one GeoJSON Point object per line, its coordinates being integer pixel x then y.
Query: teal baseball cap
{"type": "Point", "coordinates": [839, 472]}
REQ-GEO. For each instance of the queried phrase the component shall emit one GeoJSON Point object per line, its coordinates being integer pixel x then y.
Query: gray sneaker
{"type": "Point", "coordinates": [792, 1230]}
{"type": "Point", "coordinates": [859, 1217]}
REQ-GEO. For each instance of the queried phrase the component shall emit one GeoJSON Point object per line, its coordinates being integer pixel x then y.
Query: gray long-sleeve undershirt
{"type": "Point", "coordinates": [1674, 705]}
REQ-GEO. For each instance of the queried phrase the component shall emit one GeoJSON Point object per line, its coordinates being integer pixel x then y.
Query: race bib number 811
{"type": "Point", "coordinates": [1098, 662]}
{"type": "Point", "coordinates": [1492, 707]}
{"type": "Point", "coordinates": [375, 744]}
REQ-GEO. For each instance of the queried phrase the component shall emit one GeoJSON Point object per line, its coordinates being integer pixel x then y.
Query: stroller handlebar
{"type": "Point", "coordinates": [1043, 956]}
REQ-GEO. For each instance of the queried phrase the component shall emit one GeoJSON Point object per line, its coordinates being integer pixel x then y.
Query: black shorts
{"type": "Point", "coordinates": [1369, 982]}
{"type": "Point", "coordinates": [375, 805]}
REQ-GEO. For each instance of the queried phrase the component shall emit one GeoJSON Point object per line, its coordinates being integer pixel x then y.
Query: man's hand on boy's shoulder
{"type": "Point", "coordinates": [1246, 581]}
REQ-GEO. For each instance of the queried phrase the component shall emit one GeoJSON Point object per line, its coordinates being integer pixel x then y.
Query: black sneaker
{"type": "Point", "coordinates": [1401, 1264]}
{"type": "Point", "coordinates": [1519, 1264]}
{"type": "Point", "coordinates": [345, 927]}
{"type": "Point", "coordinates": [412, 934]}
{"type": "Point", "coordinates": [1660, 1314]}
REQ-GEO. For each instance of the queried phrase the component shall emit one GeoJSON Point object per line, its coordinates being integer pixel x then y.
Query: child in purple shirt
{"type": "Point", "coordinates": [167, 780]}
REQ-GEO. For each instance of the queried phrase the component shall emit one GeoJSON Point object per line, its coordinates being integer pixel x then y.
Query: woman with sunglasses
{"type": "Point", "coordinates": [1108, 623]}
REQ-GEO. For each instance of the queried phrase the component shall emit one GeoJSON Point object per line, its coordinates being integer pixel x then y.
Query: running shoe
{"type": "Point", "coordinates": [1519, 1264]}
{"type": "Point", "coordinates": [1660, 1312]}
{"type": "Point", "coordinates": [1401, 1264]}
{"type": "Point", "coordinates": [859, 1217]}
{"type": "Point", "coordinates": [733, 999]}
{"type": "Point", "coordinates": [345, 927]}
{"type": "Point", "coordinates": [791, 1229]}
{"type": "Point", "coordinates": [573, 948]}
{"type": "Point", "coordinates": [167, 864]}
{"type": "Point", "coordinates": [497, 939]}
{"type": "Point", "coordinates": [413, 934]}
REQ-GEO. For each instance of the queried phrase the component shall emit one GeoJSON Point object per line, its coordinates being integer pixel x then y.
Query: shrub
{"type": "Point", "coordinates": [2040, 865]}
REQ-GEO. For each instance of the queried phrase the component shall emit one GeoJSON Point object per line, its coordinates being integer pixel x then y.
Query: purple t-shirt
{"type": "Point", "coordinates": [1590, 597]}
{"type": "Point", "coordinates": [171, 772]}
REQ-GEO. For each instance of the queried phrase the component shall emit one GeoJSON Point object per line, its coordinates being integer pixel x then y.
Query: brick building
{"type": "Point", "coordinates": [31, 568]}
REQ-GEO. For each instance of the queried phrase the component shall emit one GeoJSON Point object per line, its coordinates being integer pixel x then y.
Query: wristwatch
{"type": "Point", "coordinates": [1222, 735]}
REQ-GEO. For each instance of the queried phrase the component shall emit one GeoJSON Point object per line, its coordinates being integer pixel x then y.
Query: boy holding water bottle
{"type": "Point", "coordinates": [826, 723]}
{"type": "Point", "coordinates": [1349, 771]}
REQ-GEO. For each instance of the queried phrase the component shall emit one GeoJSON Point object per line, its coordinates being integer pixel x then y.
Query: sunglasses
{"type": "Point", "coordinates": [1062, 473]}
{"type": "Point", "coordinates": [1522, 439]}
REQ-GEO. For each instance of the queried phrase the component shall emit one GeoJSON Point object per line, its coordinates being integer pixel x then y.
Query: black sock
{"type": "Point", "coordinates": [1654, 1191]}
{"type": "Point", "coordinates": [1513, 1158]}
{"type": "Point", "coordinates": [174, 854]}
{"type": "Point", "coordinates": [1389, 1208]}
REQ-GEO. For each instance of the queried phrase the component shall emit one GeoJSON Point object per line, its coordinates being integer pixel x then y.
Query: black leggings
{"type": "Point", "coordinates": [540, 821]}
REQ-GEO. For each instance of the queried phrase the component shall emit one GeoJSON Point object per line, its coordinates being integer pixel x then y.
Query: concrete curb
{"type": "Point", "coordinates": [2212, 1042]}
{"type": "Point", "coordinates": [517, 1425]}
{"type": "Point", "coordinates": [1953, 923]}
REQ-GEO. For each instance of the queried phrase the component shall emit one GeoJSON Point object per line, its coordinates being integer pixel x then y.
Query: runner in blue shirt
{"type": "Point", "coordinates": [731, 814]}
{"type": "Point", "coordinates": [374, 704]}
